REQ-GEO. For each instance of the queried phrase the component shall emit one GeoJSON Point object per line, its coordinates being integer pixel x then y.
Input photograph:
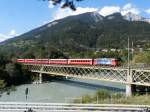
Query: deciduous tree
{"type": "Point", "coordinates": [65, 3]}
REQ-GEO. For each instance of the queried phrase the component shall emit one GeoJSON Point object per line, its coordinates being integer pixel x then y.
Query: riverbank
{"type": "Point", "coordinates": [8, 90]}
{"type": "Point", "coordinates": [106, 97]}
{"type": "Point", "coordinates": [58, 90]}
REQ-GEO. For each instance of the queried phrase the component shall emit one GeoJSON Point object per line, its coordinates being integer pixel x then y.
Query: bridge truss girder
{"type": "Point", "coordinates": [111, 74]}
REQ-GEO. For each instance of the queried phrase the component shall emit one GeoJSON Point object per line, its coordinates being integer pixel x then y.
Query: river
{"type": "Point", "coordinates": [59, 91]}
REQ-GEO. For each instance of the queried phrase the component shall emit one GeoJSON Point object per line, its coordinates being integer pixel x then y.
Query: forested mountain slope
{"type": "Point", "coordinates": [84, 32]}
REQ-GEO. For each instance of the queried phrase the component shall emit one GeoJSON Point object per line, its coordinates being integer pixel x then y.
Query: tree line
{"type": "Point", "coordinates": [12, 73]}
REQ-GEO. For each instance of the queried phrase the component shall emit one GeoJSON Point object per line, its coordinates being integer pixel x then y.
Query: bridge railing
{"type": "Point", "coordinates": [6, 106]}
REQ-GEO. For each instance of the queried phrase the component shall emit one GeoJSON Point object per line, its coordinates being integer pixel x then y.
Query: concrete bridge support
{"type": "Point", "coordinates": [40, 78]}
{"type": "Point", "coordinates": [40, 75]}
{"type": "Point", "coordinates": [129, 86]}
{"type": "Point", "coordinates": [128, 90]}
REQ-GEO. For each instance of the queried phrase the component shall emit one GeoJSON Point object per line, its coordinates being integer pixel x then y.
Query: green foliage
{"type": "Point", "coordinates": [86, 99]}
{"type": "Point", "coordinates": [65, 3]}
{"type": "Point", "coordinates": [56, 55]}
{"type": "Point", "coordinates": [2, 84]}
{"type": "Point", "coordinates": [102, 94]}
{"type": "Point", "coordinates": [143, 57]}
{"type": "Point", "coordinates": [12, 73]}
{"type": "Point", "coordinates": [107, 97]}
{"type": "Point", "coordinates": [78, 36]}
{"type": "Point", "coordinates": [28, 55]}
{"type": "Point", "coordinates": [13, 88]}
{"type": "Point", "coordinates": [117, 95]}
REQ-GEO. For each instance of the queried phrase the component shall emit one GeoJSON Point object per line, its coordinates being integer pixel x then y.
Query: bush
{"type": "Point", "coordinates": [117, 95]}
{"type": "Point", "coordinates": [102, 94]}
{"type": "Point", "coordinates": [13, 88]}
{"type": "Point", "coordinates": [86, 99]}
{"type": "Point", "coordinates": [2, 84]}
{"type": "Point", "coordinates": [143, 57]}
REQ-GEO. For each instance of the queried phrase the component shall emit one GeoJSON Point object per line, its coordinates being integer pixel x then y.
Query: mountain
{"type": "Point", "coordinates": [133, 17]}
{"type": "Point", "coordinates": [114, 17]}
{"type": "Point", "coordinates": [81, 33]}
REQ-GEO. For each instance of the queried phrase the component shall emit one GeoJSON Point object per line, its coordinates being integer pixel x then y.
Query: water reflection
{"type": "Point", "coordinates": [91, 86]}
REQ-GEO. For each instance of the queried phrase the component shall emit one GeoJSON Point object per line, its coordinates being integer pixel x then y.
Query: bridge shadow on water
{"type": "Point", "coordinates": [88, 85]}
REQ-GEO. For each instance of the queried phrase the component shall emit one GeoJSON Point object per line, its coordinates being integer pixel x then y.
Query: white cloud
{"type": "Point", "coordinates": [45, 22]}
{"type": "Point", "coordinates": [12, 33]}
{"type": "Point", "coordinates": [61, 13]}
{"type": "Point", "coordinates": [3, 37]}
{"type": "Point", "coordinates": [107, 10]}
{"type": "Point", "coordinates": [50, 5]}
{"type": "Point", "coordinates": [129, 8]}
{"type": "Point", "coordinates": [147, 11]}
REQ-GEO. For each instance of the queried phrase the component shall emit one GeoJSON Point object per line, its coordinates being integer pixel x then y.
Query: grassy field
{"type": "Point", "coordinates": [105, 97]}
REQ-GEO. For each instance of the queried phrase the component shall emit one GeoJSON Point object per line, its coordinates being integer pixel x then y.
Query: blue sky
{"type": "Point", "coordinates": [20, 16]}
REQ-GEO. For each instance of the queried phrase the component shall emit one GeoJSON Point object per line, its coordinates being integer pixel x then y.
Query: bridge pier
{"type": "Point", "coordinates": [128, 90]}
{"type": "Point", "coordinates": [40, 75]}
{"type": "Point", "coordinates": [129, 86]}
{"type": "Point", "coordinates": [40, 78]}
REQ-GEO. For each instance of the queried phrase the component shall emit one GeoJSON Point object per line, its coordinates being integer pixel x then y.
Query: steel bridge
{"type": "Point", "coordinates": [69, 107]}
{"type": "Point", "coordinates": [124, 75]}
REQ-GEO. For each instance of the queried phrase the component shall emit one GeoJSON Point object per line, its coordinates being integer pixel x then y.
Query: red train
{"type": "Point", "coordinates": [100, 61]}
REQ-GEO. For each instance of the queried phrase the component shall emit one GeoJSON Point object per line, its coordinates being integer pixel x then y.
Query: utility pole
{"type": "Point", "coordinates": [132, 49]}
{"type": "Point", "coordinates": [128, 52]}
{"type": "Point", "coordinates": [129, 74]}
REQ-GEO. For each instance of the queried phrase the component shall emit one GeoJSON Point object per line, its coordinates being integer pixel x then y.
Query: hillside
{"type": "Point", "coordinates": [84, 32]}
